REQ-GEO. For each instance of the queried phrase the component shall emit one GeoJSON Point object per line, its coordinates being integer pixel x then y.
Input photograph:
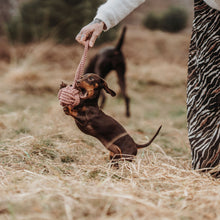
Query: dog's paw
{"type": "Point", "coordinates": [66, 110]}
{"type": "Point", "coordinates": [114, 164]}
{"type": "Point", "coordinates": [63, 85]}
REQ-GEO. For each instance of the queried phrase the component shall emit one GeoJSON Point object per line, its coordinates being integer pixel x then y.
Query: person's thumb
{"type": "Point", "coordinates": [93, 38]}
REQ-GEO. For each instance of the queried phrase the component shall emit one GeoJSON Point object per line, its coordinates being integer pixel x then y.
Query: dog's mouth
{"type": "Point", "coordinates": [82, 93]}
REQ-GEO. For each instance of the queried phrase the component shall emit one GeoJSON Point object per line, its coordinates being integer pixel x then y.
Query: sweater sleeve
{"type": "Point", "coordinates": [113, 11]}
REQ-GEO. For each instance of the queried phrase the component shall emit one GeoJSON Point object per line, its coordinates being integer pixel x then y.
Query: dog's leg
{"type": "Point", "coordinates": [115, 155]}
{"type": "Point", "coordinates": [76, 114]}
{"type": "Point", "coordinates": [113, 160]}
{"type": "Point", "coordinates": [63, 85]}
{"type": "Point", "coordinates": [68, 111]}
{"type": "Point", "coordinates": [122, 83]}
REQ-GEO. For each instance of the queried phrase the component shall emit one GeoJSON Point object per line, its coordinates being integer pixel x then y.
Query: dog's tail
{"type": "Point", "coordinates": [152, 139]}
{"type": "Point", "coordinates": [121, 40]}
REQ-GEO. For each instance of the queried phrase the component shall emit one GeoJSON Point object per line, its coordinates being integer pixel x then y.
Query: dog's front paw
{"type": "Point", "coordinates": [66, 110]}
{"type": "Point", "coordinates": [63, 85]}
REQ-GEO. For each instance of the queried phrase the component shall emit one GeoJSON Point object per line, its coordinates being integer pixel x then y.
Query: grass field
{"type": "Point", "coordinates": [51, 170]}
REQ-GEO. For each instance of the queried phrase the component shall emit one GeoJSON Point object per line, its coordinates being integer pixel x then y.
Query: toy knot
{"type": "Point", "coordinates": [69, 96]}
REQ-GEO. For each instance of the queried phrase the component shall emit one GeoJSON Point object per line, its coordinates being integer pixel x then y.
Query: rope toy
{"type": "Point", "coordinates": [69, 95]}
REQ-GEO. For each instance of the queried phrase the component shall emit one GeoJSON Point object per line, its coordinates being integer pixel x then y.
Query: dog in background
{"type": "Point", "coordinates": [91, 120]}
{"type": "Point", "coordinates": [108, 59]}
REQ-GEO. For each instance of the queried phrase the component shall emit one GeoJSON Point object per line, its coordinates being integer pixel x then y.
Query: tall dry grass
{"type": "Point", "coordinates": [51, 170]}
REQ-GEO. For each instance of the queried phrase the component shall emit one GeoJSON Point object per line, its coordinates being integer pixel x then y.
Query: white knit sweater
{"type": "Point", "coordinates": [113, 11]}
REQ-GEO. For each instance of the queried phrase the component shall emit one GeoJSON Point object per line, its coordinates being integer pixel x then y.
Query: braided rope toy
{"type": "Point", "coordinates": [69, 95]}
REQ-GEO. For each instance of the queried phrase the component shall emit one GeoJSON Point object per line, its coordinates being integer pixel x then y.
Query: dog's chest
{"type": "Point", "coordinates": [88, 120]}
{"type": "Point", "coordinates": [87, 129]}
{"type": "Point", "coordinates": [94, 122]}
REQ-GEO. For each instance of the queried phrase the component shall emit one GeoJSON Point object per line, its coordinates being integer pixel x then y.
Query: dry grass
{"type": "Point", "coordinates": [50, 170]}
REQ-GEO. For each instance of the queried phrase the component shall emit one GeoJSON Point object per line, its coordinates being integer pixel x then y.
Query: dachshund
{"type": "Point", "coordinates": [91, 120]}
{"type": "Point", "coordinates": [108, 59]}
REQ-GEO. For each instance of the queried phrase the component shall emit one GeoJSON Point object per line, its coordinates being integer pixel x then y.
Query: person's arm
{"type": "Point", "coordinates": [108, 15]}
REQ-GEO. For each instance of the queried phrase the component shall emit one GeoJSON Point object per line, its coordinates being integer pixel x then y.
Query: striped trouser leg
{"type": "Point", "coordinates": [203, 88]}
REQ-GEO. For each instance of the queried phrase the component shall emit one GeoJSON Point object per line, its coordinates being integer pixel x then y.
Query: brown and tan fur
{"type": "Point", "coordinates": [91, 120]}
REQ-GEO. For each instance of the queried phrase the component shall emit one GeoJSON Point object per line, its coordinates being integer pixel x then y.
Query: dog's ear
{"type": "Point", "coordinates": [107, 89]}
{"type": "Point", "coordinates": [63, 85]}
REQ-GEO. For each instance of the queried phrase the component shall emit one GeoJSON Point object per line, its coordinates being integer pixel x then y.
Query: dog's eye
{"type": "Point", "coordinates": [91, 78]}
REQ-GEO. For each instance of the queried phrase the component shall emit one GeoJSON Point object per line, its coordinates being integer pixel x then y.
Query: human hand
{"type": "Point", "coordinates": [90, 32]}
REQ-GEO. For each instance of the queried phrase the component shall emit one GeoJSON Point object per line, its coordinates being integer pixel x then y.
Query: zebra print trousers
{"type": "Point", "coordinates": [203, 87]}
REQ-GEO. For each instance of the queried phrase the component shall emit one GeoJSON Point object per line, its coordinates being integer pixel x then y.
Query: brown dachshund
{"type": "Point", "coordinates": [106, 60]}
{"type": "Point", "coordinates": [91, 120]}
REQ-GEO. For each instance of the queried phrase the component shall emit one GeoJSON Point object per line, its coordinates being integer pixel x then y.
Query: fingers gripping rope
{"type": "Point", "coordinates": [69, 95]}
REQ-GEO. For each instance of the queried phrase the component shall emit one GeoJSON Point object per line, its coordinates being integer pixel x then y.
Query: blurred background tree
{"type": "Point", "coordinates": [6, 9]}
{"type": "Point", "coordinates": [152, 20]}
{"type": "Point", "coordinates": [174, 19]}
{"type": "Point", "coordinates": [37, 20]}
